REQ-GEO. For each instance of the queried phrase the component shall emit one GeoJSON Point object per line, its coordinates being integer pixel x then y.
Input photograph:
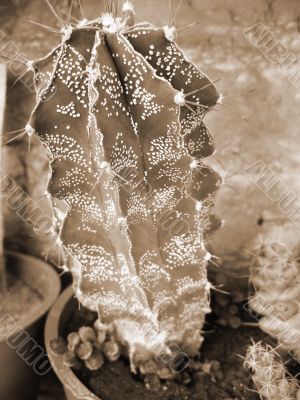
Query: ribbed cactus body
{"type": "Point", "coordinates": [112, 112]}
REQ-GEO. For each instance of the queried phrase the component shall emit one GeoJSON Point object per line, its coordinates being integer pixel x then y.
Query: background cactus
{"type": "Point", "coordinates": [272, 380]}
{"type": "Point", "coordinates": [274, 275]}
{"type": "Point", "coordinates": [121, 113]}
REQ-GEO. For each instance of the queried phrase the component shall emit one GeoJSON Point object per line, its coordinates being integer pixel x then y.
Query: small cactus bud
{"type": "Point", "coordinates": [215, 365]}
{"type": "Point", "coordinates": [70, 360]}
{"type": "Point", "coordinates": [95, 361]}
{"type": "Point", "coordinates": [84, 350]}
{"type": "Point", "coordinates": [87, 333]}
{"type": "Point", "coordinates": [222, 322]}
{"type": "Point", "coordinates": [186, 378]}
{"type": "Point", "coordinates": [222, 299]}
{"type": "Point", "coordinates": [234, 322]}
{"type": "Point", "coordinates": [99, 326]}
{"type": "Point", "coordinates": [199, 376]}
{"type": "Point", "coordinates": [111, 350]}
{"type": "Point", "coordinates": [73, 340]}
{"type": "Point", "coordinates": [152, 383]}
{"type": "Point", "coordinates": [148, 367]}
{"type": "Point", "coordinates": [233, 309]}
{"type": "Point", "coordinates": [101, 336]}
{"type": "Point", "coordinates": [197, 366]}
{"type": "Point", "coordinates": [165, 373]}
{"type": "Point", "coordinates": [237, 296]}
{"type": "Point", "coordinates": [58, 346]}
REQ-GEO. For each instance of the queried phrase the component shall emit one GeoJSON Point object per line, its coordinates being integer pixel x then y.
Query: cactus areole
{"type": "Point", "coordinates": [120, 111]}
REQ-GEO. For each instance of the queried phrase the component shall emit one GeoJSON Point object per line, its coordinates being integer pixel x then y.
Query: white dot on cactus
{"type": "Point", "coordinates": [82, 22]}
{"type": "Point", "coordinates": [193, 164]}
{"type": "Point", "coordinates": [128, 6]}
{"type": "Point", "coordinates": [170, 33]}
{"type": "Point", "coordinates": [112, 28]}
{"type": "Point", "coordinates": [29, 65]}
{"type": "Point", "coordinates": [107, 19]}
{"type": "Point", "coordinates": [67, 32]}
{"type": "Point", "coordinates": [29, 130]}
{"type": "Point", "coordinates": [220, 99]}
{"type": "Point", "coordinates": [179, 98]}
{"type": "Point", "coordinates": [207, 256]}
{"type": "Point", "coordinates": [122, 220]}
{"type": "Point", "coordinates": [58, 241]}
{"type": "Point", "coordinates": [104, 165]}
{"type": "Point", "coordinates": [68, 127]}
{"type": "Point", "coordinates": [198, 206]}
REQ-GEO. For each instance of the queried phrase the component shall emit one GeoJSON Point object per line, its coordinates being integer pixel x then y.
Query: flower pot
{"type": "Point", "coordinates": [56, 321]}
{"type": "Point", "coordinates": [22, 359]}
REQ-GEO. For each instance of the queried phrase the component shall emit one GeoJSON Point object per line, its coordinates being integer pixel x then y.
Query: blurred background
{"type": "Point", "coordinates": [258, 120]}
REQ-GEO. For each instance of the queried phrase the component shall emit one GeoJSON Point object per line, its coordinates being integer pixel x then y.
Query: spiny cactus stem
{"type": "Point", "coordinates": [113, 236]}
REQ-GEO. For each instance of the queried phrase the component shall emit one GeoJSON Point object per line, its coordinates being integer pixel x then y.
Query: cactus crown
{"type": "Point", "coordinates": [121, 110]}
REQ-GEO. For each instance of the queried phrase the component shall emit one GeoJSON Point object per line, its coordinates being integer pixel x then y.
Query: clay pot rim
{"type": "Point", "coordinates": [52, 330]}
{"type": "Point", "coordinates": [54, 285]}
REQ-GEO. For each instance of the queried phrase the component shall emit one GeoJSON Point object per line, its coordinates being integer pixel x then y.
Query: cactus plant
{"type": "Point", "coordinates": [278, 300]}
{"type": "Point", "coordinates": [120, 111]}
{"type": "Point", "coordinates": [272, 380]}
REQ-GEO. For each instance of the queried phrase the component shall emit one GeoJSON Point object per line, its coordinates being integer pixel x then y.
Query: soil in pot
{"type": "Point", "coordinates": [221, 377]}
{"type": "Point", "coordinates": [19, 299]}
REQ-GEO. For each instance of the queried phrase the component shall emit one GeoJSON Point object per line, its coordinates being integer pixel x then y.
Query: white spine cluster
{"type": "Point", "coordinates": [128, 6]}
{"type": "Point", "coordinates": [271, 379]}
{"type": "Point", "coordinates": [170, 33]}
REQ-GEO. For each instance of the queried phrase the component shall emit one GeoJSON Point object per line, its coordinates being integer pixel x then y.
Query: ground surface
{"type": "Point", "coordinates": [264, 125]}
{"type": "Point", "coordinates": [231, 383]}
{"type": "Point", "coordinates": [223, 344]}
